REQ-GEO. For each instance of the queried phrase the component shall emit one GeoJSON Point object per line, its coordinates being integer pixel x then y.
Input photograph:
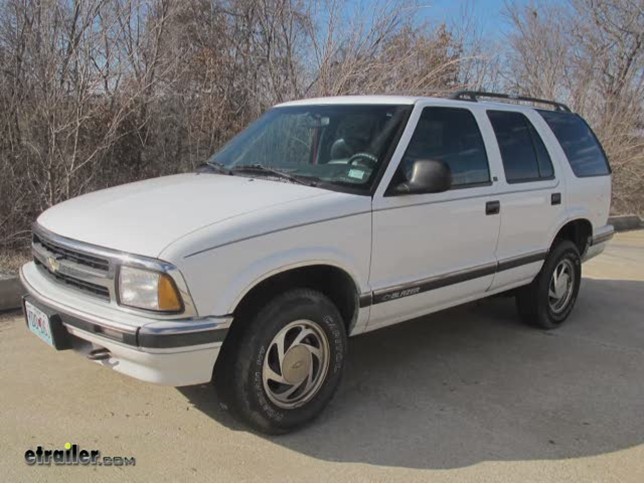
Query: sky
{"type": "Point", "coordinates": [488, 13]}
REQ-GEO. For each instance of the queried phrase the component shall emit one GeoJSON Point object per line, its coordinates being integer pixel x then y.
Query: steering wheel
{"type": "Point", "coordinates": [368, 160]}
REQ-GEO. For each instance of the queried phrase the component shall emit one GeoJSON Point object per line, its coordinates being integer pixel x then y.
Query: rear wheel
{"type": "Point", "coordinates": [550, 298]}
{"type": "Point", "coordinates": [286, 365]}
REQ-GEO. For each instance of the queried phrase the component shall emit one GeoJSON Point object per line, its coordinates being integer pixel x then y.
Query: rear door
{"type": "Point", "coordinates": [530, 194]}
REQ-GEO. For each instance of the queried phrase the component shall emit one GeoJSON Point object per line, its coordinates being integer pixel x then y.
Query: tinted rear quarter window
{"type": "Point", "coordinates": [579, 143]}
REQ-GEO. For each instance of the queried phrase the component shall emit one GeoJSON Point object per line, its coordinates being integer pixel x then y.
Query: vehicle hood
{"type": "Point", "coordinates": [145, 217]}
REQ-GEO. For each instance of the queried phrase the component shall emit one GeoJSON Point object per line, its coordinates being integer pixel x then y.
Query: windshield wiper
{"type": "Point", "coordinates": [265, 170]}
{"type": "Point", "coordinates": [216, 166]}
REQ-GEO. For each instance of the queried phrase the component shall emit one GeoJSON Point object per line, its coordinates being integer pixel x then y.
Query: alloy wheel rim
{"type": "Point", "coordinates": [561, 286]}
{"type": "Point", "coordinates": [295, 364]}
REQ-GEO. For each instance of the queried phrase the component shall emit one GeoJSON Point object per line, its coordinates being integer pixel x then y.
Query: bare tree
{"type": "Point", "coordinates": [590, 54]}
{"type": "Point", "coordinates": [101, 92]}
{"type": "Point", "coordinates": [74, 79]}
{"type": "Point", "coordinates": [382, 49]}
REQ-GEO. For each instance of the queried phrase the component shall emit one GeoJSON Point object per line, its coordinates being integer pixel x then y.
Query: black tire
{"type": "Point", "coordinates": [533, 301]}
{"type": "Point", "coordinates": [242, 386]}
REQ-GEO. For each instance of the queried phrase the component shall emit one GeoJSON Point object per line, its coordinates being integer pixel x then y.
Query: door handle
{"type": "Point", "coordinates": [493, 207]}
{"type": "Point", "coordinates": [555, 199]}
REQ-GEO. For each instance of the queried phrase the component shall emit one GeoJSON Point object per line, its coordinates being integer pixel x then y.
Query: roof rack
{"type": "Point", "coordinates": [474, 95]}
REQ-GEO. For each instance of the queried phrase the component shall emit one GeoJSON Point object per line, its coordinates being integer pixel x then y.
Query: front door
{"type": "Point", "coordinates": [434, 250]}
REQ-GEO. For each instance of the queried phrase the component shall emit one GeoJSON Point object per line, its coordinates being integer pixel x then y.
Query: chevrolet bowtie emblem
{"type": "Point", "coordinates": [53, 264]}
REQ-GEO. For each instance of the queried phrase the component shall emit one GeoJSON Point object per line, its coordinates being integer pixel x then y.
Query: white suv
{"type": "Point", "coordinates": [324, 219]}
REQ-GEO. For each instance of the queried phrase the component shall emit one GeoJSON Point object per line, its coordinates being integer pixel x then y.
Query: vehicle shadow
{"type": "Point", "coordinates": [472, 384]}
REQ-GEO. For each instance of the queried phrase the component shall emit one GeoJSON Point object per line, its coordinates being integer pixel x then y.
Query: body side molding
{"type": "Point", "coordinates": [423, 285]}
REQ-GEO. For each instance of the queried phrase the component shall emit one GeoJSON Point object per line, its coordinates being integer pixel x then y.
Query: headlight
{"type": "Point", "coordinates": [144, 289]}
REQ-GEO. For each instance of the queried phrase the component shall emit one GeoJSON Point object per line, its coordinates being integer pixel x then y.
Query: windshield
{"type": "Point", "coordinates": [341, 145]}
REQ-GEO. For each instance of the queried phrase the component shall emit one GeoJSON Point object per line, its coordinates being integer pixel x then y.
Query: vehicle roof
{"type": "Point", "coordinates": [405, 100]}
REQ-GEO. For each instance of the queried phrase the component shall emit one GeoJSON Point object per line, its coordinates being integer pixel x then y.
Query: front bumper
{"type": "Point", "coordinates": [173, 352]}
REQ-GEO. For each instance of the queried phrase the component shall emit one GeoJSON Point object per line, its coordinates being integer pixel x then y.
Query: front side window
{"type": "Point", "coordinates": [450, 135]}
{"type": "Point", "coordinates": [579, 143]}
{"type": "Point", "coordinates": [325, 145]}
{"type": "Point", "coordinates": [523, 153]}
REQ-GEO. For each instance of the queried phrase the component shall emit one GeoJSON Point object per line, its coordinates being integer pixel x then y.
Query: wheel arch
{"type": "Point", "coordinates": [331, 280]}
{"type": "Point", "coordinates": [578, 230]}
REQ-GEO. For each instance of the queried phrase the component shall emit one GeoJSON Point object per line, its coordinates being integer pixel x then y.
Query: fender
{"type": "Point", "coordinates": [221, 283]}
{"type": "Point", "coordinates": [577, 213]}
{"type": "Point", "coordinates": [280, 262]}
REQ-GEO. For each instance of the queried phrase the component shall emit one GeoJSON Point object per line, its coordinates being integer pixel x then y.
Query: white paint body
{"type": "Point", "coordinates": [226, 234]}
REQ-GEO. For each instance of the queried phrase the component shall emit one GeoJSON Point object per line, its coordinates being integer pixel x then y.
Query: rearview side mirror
{"type": "Point", "coordinates": [427, 176]}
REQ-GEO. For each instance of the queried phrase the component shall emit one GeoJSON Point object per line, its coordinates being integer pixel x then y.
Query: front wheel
{"type": "Point", "coordinates": [550, 298]}
{"type": "Point", "coordinates": [287, 364]}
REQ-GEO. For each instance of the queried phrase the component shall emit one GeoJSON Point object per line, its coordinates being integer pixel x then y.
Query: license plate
{"type": "Point", "coordinates": [39, 323]}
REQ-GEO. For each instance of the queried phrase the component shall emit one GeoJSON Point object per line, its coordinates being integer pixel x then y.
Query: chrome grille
{"type": "Point", "coordinates": [92, 270]}
{"type": "Point", "coordinates": [85, 272]}
{"type": "Point", "coordinates": [95, 289]}
{"type": "Point", "coordinates": [72, 255]}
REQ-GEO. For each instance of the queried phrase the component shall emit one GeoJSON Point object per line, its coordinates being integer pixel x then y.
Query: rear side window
{"type": "Point", "coordinates": [584, 153]}
{"type": "Point", "coordinates": [450, 135]}
{"type": "Point", "coordinates": [523, 153]}
{"type": "Point", "coordinates": [543, 158]}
